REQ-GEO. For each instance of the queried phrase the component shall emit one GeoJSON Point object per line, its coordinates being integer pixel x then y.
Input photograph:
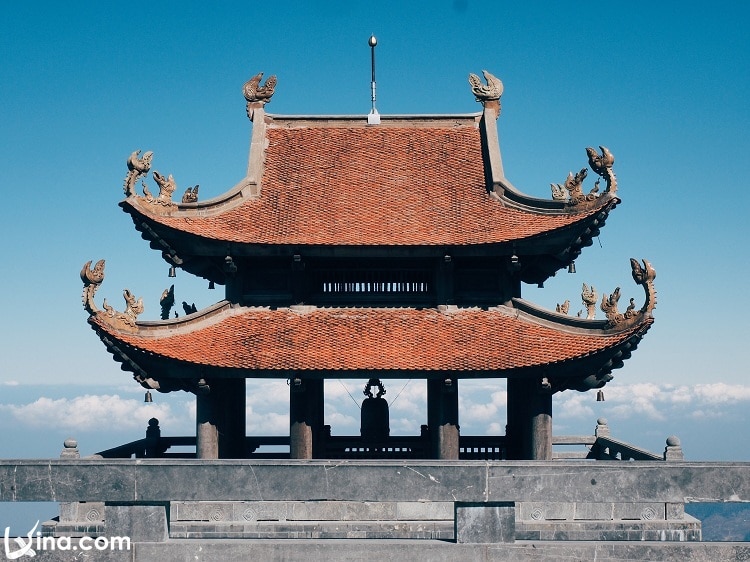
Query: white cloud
{"type": "Point", "coordinates": [719, 393]}
{"type": "Point", "coordinates": [574, 405]}
{"type": "Point", "coordinates": [91, 413]}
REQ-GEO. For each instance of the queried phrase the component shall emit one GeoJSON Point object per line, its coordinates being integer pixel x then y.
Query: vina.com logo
{"type": "Point", "coordinates": [17, 547]}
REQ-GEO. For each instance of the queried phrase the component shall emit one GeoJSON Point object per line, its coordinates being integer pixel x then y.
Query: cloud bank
{"type": "Point", "coordinates": [636, 412]}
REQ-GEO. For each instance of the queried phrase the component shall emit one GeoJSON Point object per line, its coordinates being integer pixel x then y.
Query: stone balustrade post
{"type": "Point", "coordinates": [602, 429]}
{"type": "Point", "coordinates": [69, 510]}
{"type": "Point", "coordinates": [153, 435]}
{"type": "Point", "coordinates": [70, 450]}
{"type": "Point", "coordinates": [673, 450]}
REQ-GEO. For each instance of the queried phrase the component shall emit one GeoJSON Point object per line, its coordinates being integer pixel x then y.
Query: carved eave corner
{"type": "Point", "coordinates": [258, 96]}
{"type": "Point", "coordinates": [616, 321]}
{"type": "Point", "coordinates": [644, 276]}
{"type": "Point", "coordinates": [161, 204]}
{"type": "Point", "coordinates": [571, 193]}
{"type": "Point", "coordinates": [637, 321]}
{"type": "Point", "coordinates": [124, 321]}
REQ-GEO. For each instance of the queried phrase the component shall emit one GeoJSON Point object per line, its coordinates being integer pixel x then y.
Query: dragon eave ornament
{"type": "Point", "coordinates": [92, 279]}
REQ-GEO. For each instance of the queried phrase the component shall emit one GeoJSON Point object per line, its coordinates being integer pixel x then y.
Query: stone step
{"type": "Point", "coordinates": [687, 529]}
{"type": "Point", "coordinates": [314, 530]}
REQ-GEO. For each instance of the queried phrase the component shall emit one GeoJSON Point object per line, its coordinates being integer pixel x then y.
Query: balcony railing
{"type": "Point", "coordinates": [600, 446]}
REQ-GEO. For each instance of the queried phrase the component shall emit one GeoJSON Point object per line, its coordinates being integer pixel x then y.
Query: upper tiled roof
{"type": "Point", "coordinates": [391, 185]}
{"type": "Point", "coordinates": [353, 339]}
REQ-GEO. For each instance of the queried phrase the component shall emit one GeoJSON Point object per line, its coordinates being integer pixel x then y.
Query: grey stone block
{"type": "Point", "coordinates": [82, 512]}
{"type": "Point", "coordinates": [425, 511]}
{"type": "Point", "coordinates": [646, 511]}
{"type": "Point", "coordinates": [485, 522]}
{"type": "Point", "coordinates": [142, 523]}
{"type": "Point", "coordinates": [545, 510]}
{"type": "Point", "coordinates": [593, 511]}
{"type": "Point", "coordinates": [675, 510]}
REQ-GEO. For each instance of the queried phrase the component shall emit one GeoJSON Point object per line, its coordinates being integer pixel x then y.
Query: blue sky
{"type": "Point", "coordinates": [664, 87]}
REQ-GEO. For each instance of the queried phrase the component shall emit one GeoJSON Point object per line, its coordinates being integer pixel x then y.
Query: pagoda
{"type": "Point", "coordinates": [373, 249]}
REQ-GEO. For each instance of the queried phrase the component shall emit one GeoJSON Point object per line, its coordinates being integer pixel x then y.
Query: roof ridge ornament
{"type": "Point", "coordinates": [488, 95]}
{"type": "Point", "coordinates": [256, 95]}
{"type": "Point", "coordinates": [92, 279]}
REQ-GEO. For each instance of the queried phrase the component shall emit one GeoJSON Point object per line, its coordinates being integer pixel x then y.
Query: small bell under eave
{"type": "Point", "coordinates": [148, 399]}
{"type": "Point", "coordinates": [600, 395]}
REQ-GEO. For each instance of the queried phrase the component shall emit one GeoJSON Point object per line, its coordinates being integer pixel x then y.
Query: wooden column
{"type": "Point", "coordinates": [445, 283]}
{"type": "Point", "coordinates": [305, 418]}
{"type": "Point", "coordinates": [442, 417]}
{"type": "Point", "coordinates": [529, 429]}
{"type": "Point", "coordinates": [220, 419]}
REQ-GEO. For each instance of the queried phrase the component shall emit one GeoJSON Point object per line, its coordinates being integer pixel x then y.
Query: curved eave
{"type": "Point", "coordinates": [227, 341]}
{"type": "Point", "coordinates": [543, 251]}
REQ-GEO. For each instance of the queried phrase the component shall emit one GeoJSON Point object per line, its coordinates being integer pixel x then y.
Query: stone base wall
{"type": "Point", "coordinates": [465, 522]}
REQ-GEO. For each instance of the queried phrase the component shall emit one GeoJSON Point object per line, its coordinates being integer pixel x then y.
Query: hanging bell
{"type": "Point", "coordinates": [600, 395]}
{"type": "Point", "coordinates": [148, 399]}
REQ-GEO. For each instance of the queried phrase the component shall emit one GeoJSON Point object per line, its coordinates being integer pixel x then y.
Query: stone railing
{"type": "Point", "coordinates": [601, 446]}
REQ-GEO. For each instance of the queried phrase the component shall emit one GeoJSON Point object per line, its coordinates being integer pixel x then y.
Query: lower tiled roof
{"type": "Point", "coordinates": [366, 339]}
{"type": "Point", "coordinates": [389, 186]}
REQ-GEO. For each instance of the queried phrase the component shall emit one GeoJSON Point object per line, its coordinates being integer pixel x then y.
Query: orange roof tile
{"type": "Point", "coordinates": [367, 339]}
{"type": "Point", "coordinates": [391, 186]}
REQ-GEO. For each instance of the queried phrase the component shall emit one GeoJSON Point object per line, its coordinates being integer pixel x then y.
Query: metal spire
{"type": "Point", "coordinates": [374, 117]}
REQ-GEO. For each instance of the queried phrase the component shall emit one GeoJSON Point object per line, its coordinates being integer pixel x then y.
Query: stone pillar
{"type": "Point", "coordinates": [220, 419]}
{"type": "Point", "coordinates": [232, 418]}
{"type": "Point", "coordinates": [442, 417]}
{"type": "Point", "coordinates": [529, 429]}
{"type": "Point", "coordinates": [206, 430]}
{"type": "Point", "coordinates": [305, 418]}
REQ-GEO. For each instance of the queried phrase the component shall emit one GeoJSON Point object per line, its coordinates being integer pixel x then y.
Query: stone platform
{"type": "Point", "coordinates": [355, 510]}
